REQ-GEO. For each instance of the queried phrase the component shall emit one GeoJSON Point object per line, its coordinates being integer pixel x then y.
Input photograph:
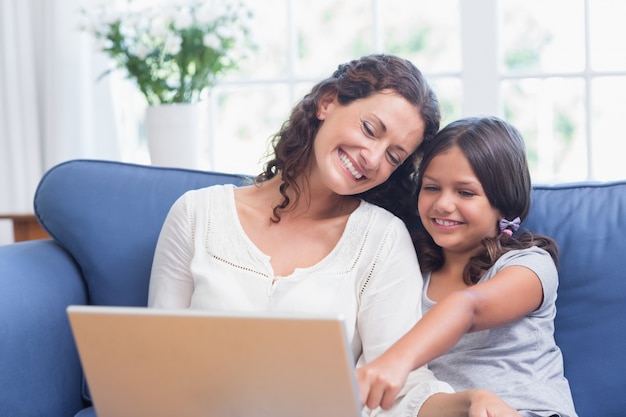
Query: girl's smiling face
{"type": "Point", "coordinates": [359, 145]}
{"type": "Point", "coordinates": [453, 205]}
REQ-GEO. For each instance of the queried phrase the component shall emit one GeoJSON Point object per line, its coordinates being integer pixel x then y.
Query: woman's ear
{"type": "Point", "coordinates": [325, 105]}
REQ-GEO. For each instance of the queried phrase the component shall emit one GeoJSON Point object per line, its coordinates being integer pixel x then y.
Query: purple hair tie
{"type": "Point", "coordinates": [506, 225]}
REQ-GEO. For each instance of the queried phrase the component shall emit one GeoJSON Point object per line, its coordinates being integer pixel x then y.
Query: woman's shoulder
{"type": "Point", "coordinates": [218, 189]}
{"type": "Point", "coordinates": [207, 194]}
{"type": "Point", "coordinates": [378, 214]}
{"type": "Point", "coordinates": [201, 200]}
{"type": "Point", "coordinates": [377, 222]}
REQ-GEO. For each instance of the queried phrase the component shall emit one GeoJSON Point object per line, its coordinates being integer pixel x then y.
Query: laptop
{"type": "Point", "coordinates": [188, 363]}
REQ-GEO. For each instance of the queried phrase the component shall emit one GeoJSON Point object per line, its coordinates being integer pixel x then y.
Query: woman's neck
{"type": "Point", "coordinates": [315, 201]}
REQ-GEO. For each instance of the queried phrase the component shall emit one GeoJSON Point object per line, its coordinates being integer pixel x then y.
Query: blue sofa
{"type": "Point", "coordinates": [105, 217]}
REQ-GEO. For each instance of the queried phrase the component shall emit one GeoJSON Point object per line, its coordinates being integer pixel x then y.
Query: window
{"type": "Point", "coordinates": [563, 71]}
{"type": "Point", "coordinates": [300, 43]}
{"type": "Point", "coordinates": [556, 70]}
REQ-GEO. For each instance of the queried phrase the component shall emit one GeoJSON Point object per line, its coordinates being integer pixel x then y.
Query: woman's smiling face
{"type": "Point", "coordinates": [359, 145]}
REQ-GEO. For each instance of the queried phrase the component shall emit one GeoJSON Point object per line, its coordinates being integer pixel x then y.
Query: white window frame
{"type": "Point", "coordinates": [481, 78]}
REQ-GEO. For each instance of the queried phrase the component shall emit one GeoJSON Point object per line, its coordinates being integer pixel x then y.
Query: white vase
{"type": "Point", "coordinates": [178, 134]}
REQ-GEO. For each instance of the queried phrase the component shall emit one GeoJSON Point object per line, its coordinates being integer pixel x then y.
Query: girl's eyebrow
{"type": "Point", "coordinates": [457, 183]}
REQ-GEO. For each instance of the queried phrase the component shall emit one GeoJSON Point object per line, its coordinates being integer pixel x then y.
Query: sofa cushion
{"type": "Point", "coordinates": [588, 221]}
{"type": "Point", "coordinates": [40, 373]}
{"type": "Point", "coordinates": [108, 216]}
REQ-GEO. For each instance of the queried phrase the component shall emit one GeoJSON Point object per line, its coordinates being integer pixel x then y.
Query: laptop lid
{"type": "Point", "coordinates": [189, 363]}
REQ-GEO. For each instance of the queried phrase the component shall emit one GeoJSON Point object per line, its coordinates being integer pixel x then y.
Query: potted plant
{"type": "Point", "coordinates": [174, 54]}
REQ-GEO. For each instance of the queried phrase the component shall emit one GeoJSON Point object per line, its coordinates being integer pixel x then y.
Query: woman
{"type": "Point", "coordinates": [305, 237]}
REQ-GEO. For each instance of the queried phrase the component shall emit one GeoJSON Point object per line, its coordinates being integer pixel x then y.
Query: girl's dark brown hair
{"type": "Point", "coordinates": [496, 152]}
{"type": "Point", "coordinates": [293, 144]}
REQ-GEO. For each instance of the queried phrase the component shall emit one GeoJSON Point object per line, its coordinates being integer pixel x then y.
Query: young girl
{"type": "Point", "coordinates": [489, 290]}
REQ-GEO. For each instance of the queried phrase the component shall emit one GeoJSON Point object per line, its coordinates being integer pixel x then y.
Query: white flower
{"type": "Point", "coordinates": [136, 21]}
{"type": "Point", "coordinates": [230, 56]}
{"type": "Point", "coordinates": [159, 28]}
{"type": "Point", "coordinates": [205, 14]}
{"type": "Point", "coordinates": [173, 44]}
{"type": "Point", "coordinates": [148, 43]}
{"type": "Point", "coordinates": [225, 32]}
{"type": "Point", "coordinates": [172, 82]}
{"type": "Point", "coordinates": [211, 40]}
{"type": "Point", "coordinates": [141, 50]}
{"type": "Point", "coordinates": [184, 20]}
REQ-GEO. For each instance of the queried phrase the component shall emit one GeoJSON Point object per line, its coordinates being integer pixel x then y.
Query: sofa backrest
{"type": "Point", "coordinates": [108, 216]}
{"type": "Point", "coordinates": [588, 221]}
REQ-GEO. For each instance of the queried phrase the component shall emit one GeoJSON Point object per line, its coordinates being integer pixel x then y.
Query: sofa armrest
{"type": "Point", "coordinates": [41, 373]}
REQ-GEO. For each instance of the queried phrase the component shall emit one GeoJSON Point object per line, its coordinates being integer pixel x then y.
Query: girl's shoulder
{"type": "Point", "coordinates": [530, 255]}
{"type": "Point", "coordinates": [534, 258]}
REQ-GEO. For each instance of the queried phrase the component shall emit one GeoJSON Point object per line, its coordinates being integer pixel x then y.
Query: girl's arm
{"type": "Point", "coordinates": [469, 403]}
{"type": "Point", "coordinates": [512, 293]}
{"type": "Point", "coordinates": [389, 306]}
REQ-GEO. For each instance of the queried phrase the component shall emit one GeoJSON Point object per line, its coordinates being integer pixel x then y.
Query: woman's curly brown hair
{"type": "Point", "coordinates": [293, 144]}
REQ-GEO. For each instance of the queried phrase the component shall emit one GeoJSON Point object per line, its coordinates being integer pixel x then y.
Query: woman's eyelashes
{"type": "Point", "coordinates": [370, 130]}
{"type": "Point", "coordinates": [393, 159]}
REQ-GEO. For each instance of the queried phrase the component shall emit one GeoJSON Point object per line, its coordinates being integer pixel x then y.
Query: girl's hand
{"type": "Point", "coordinates": [380, 381]}
{"type": "Point", "coordinates": [469, 403]}
{"type": "Point", "coordinates": [487, 404]}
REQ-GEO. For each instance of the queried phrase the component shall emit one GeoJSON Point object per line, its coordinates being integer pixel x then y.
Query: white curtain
{"type": "Point", "coordinates": [51, 107]}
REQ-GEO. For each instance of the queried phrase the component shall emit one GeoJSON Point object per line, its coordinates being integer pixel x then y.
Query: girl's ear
{"type": "Point", "coordinates": [325, 104]}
